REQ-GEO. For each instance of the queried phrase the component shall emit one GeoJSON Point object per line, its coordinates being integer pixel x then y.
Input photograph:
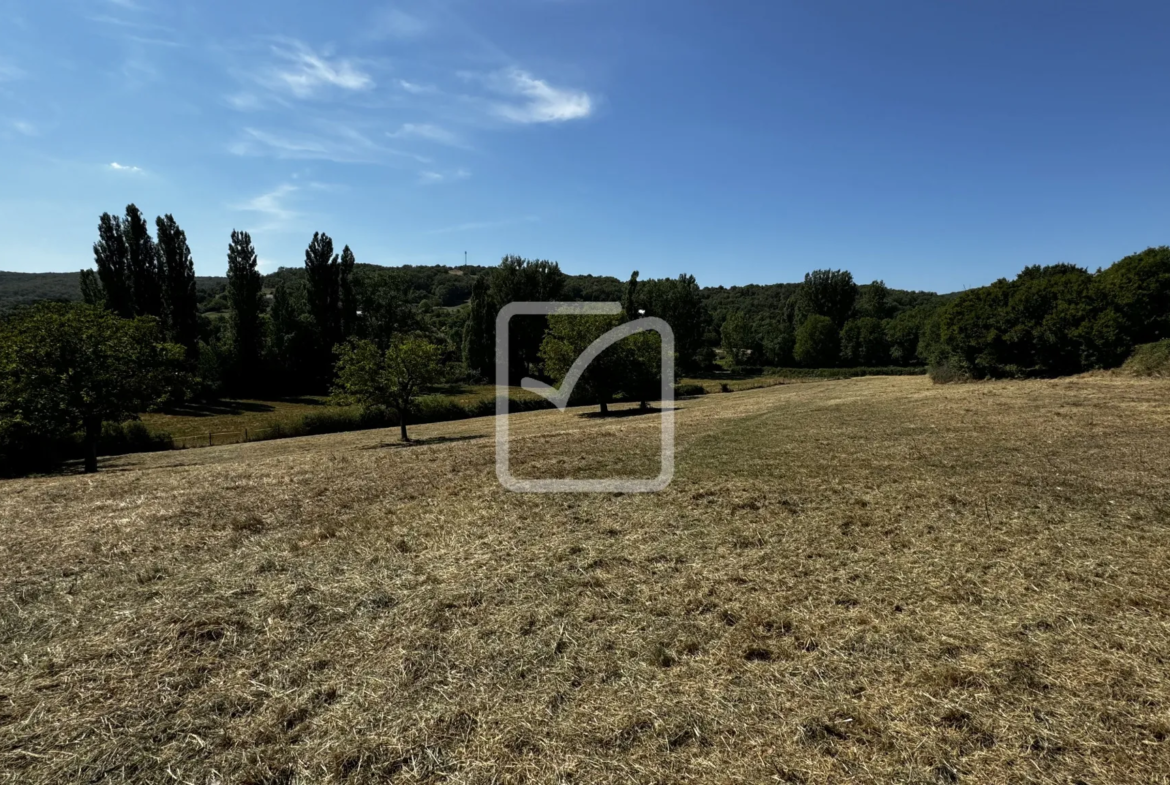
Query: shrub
{"type": "Point", "coordinates": [683, 390]}
{"type": "Point", "coordinates": [946, 373]}
{"type": "Point", "coordinates": [1149, 359]}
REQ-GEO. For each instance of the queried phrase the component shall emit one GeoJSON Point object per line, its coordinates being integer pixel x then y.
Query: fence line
{"type": "Point", "coordinates": [214, 438]}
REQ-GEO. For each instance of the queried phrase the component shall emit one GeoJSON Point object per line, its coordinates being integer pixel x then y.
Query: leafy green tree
{"type": "Point", "coordinates": [142, 264]}
{"type": "Point", "coordinates": [525, 280]}
{"type": "Point", "coordinates": [568, 336]}
{"type": "Point", "coordinates": [903, 333]}
{"type": "Point", "coordinates": [244, 309]}
{"type": "Point", "coordinates": [177, 271]}
{"type": "Point", "coordinates": [1137, 288]}
{"type": "Point", "coordinates": [291, 334]}
{"type": "Point", "coordinates": [863, 343]}
{"type": "Point", "coordinates": [68, 368]}
{"type": "Point", "coordinates": [736, 335]}
{"type": "Point", "coordinates": [678, 302]}
{"type": "Point", "coordinates": [393, 378]}
{"type": "Point", "coordinates": [818, 342]}
{"type": "Point", "coordinates": [777, 342]}
{"type": "Point", "coordinates": [873, 301]}
{"type": "Point", "coordinates": [111, 257]}
{"type": "Point", "coordinates": [830, 293]}
{"type": "Point", "coordinates": [479, 331]}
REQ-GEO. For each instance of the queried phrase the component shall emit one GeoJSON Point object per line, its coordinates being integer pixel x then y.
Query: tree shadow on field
{"type": "Point", "coordinates": [421, 442]}
{"type": "Point", "coordinates": [216, 408]}
{"type": "Point", "coordinates": [613, 414]}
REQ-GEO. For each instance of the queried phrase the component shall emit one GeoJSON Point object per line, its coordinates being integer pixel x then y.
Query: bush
{"type": "Point", "coordinates": [1149, 359]}
{"type": "Point", "coordinates": [684, 390]}
{"type": "Point", "coordinates": [946, 373]}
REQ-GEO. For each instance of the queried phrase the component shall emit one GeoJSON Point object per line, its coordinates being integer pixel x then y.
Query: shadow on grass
{"type": "Point", "coordinates": [619, 413]}
{"type": "Point", "coordinates": [421, 442]}
{"type": "Point", "coordinates": [217, 408]}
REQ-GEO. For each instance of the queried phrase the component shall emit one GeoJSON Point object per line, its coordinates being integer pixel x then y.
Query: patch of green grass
{"type": "Point", "coordinates": [1149, 359]}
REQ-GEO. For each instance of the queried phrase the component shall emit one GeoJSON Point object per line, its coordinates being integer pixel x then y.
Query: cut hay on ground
{"type": "Point", "coordinates": [873, 580]}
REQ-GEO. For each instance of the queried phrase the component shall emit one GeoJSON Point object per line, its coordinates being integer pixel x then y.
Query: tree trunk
{"type": "Point", "coordinates": [604, 408]}
{"type": "Point", "coordinates": [93, 429]}
{"type": "Point", "coordinates": [402, 424]}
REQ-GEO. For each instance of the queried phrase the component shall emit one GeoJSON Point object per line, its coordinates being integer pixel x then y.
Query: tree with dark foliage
{"type": "Point", "coordinates": [112, 259]}
{"type": "Point", "coordinates": [177, 271]}
{"type": "Point", "coordinates": [142, 264]}
{"type": "Point", "coordinates": [245, 306]}
{"type": "Point", "coordinates": [68, 368]}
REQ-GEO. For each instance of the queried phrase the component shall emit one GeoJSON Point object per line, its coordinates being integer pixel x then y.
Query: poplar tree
{"type": "Point", "coordinates": [245, 305]}
{"type": "Point", "coordinates": [110, 256]}
{"type": "Point", "coordinates": [177, 270]}
{"type": "Point", "coordinates": [142, 264]}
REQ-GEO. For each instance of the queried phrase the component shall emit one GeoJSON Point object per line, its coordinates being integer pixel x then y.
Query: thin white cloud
{"type": "Point", "coordinates": [542, 103]}
{"type": "Point", "coordinates": [117, 167]}
{"type": "Point", "coordinates": [272, 207]}
{"type": "Point", "coordinates": [416, 89]}
{"type": "Point", "coordinates": [426, 132]}
{"type": "Point", "coordinates": [271, 203]}
{"type": "Point", "coordinates": [24, 127]}
{"type": "Point", "coordinates": [305, 73]}
{"type": "Point", "coordinates": [10, 73]}
{"type": "Point", "coordinates": [393, 23]}
{"type": "Point", "coordinates": [338, 143]}
{"type": "Point", "coordinates": [434, 178]}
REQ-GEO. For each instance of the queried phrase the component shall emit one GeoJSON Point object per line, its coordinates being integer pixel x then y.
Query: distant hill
{"type": "Point", "coordinates": [26, 288]}
{"type": "Point", "coordinates": [442, 285]}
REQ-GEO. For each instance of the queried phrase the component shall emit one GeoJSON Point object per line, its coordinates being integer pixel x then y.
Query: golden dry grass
{"type": "Point", "coordinates": [873, 580]}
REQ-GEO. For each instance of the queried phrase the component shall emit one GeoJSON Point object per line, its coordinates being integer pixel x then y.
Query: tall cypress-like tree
{"type": "Point", "coordinates": [323, 286]}
{"type": "Point", "coordinates": [142, 264]}
{"type": "Point", "coordinates": [92, 292]}
{"type": "Point", "coordinates": [323, 292]}
{"type": "Point", "coordinates": [243, 292]}
{"type": "Point", "coordinates": [628, 301]}
{"type": "Point", "coordinates": [479, 331]}
{"type": "Point", "coordinates": [110, 256]}
{"type": "Point", "coordinates": [348, 300]}
{"type": "Point", "coordinates": [177, 270]}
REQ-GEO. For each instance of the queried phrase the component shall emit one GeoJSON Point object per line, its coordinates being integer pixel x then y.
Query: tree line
{"type": "Point", "coordinates": [360, 333]}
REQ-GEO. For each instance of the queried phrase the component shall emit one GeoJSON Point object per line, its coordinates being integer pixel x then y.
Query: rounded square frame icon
{"type": "Point", "coordinates": [560, 397]}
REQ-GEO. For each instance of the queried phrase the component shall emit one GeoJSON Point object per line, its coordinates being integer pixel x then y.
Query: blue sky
{"type": "Point", "coordinates": [934, 145]}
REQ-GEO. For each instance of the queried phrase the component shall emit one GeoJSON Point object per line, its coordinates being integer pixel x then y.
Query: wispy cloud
{"type": "Point", "coordinates": [24, 127]}
{"type": "Point", "coordinates": [427, 132]}
{"type": "Point", "coordinates": [10, 73]}
{"type": "Point", "coordinates": [304, 73]}
{"type": "Point", "coordinates": [271, 204]}
{"type": "Point", "coordinates": [434, 178]}
{"type": "Point", "coordinates": [416, 89]}
{"type": "Point", "coordinates": [117, 167]}
{"type": "Point", "coordinates": [474, 225]}
{"type": "Point", "coordinates": [394, 23]}
{"type": "Point", "coordinates": [540, 102]}
{"type": "Point", "coordinates": [338, 143]}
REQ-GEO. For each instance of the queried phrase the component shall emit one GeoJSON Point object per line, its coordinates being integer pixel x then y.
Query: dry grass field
{"type": "Point", "coordinates": [874, 580]}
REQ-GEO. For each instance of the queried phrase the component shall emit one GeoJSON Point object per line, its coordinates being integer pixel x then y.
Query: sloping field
{"type": "Point", "coordinates": [873, 580]}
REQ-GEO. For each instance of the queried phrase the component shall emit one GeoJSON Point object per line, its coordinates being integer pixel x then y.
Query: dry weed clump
{"type": "Point", "coordinates": [869, 580]}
